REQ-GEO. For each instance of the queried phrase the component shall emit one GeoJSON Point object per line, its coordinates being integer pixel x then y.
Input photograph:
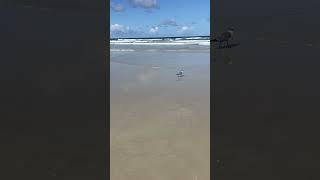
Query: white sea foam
{"type": "Point", "coordinates": [205, 43]}
{"type": "Point", "coordinates": [194, 38]}
{"type": "Point", "coordinates": [179, 42]}
{"type": "Point", "coordinates": [163, 41]}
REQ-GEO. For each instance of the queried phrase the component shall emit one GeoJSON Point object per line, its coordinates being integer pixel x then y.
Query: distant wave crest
{"type": "Point", "coordinates": [204, 41]}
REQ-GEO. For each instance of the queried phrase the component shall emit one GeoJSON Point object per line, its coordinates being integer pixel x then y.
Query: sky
{"type": "Point", "coordinates": [159, 18]}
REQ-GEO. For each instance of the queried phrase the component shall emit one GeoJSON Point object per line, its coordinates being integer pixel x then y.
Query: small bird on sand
{"type": "Point", "coordinates": [180, 73]}
{"type": "Point", "coordinates": [225, 36]}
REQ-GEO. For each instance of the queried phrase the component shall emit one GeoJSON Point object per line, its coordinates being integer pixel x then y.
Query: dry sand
{"type": "Point", "coordinates": [160, 127]}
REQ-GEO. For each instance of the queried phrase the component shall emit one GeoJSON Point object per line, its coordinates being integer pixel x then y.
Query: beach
{"type": "Point", "coordinates": [160, 126]}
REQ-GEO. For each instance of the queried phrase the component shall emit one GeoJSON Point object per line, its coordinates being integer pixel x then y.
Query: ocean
{"type": "Point", "coordinates": [163, 43]}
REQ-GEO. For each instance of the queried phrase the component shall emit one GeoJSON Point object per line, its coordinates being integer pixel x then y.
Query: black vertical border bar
{"type": "Point", "coordinates": [54, 89]}
{"type": "Point", "coordinates": [212, 83]}
{"type": "Point", "coordinates": [107, 85]}
{"type": "Point", "coordinates": [282, 126]}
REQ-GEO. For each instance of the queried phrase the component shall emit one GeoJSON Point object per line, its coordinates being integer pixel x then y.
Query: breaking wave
{"type": "Point", "coordinates": [175, 41]}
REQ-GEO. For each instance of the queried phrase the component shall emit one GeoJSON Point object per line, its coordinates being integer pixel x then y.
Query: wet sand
{"type": "Point", "coordinates": [160, 127]}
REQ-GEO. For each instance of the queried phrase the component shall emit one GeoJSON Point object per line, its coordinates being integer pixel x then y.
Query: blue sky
{"type": "Point", "coordinates": [155, 18]}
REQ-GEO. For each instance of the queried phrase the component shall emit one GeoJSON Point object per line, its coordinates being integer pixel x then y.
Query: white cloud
{"type": "Point", "coordinates": [147, 4]}
{"type": "Point", "coordinates": [118, 28]}
{"type": "Point", "coordinates": [184, 29]}
{"type": "Point", "coordinates": [145, 78]}
{"type": "Point", "coordinates": [117, 7]}
{"type": "Point", "coordinates": [169, 22]}
{"type": "Point", "coordinates": [154, 30]}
